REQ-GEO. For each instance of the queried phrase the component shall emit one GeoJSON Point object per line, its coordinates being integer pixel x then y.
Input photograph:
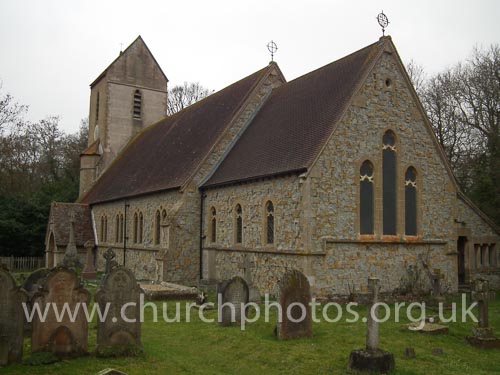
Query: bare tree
{"type": "Point", "coordinates": [181, 96]}
{"type": "Point", "coordinates": [11, 112]}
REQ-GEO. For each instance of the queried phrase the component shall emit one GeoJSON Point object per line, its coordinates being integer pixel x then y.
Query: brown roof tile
{"type": "Point", "coordinates": [165, 154]}
{"type": "Point", "coordinates": [293, 125]}
{"type": "Point", "coordinates": [59, 222]}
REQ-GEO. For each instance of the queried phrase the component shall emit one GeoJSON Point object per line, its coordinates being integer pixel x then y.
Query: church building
{"type": "Point", "coordinates": [336, 173]}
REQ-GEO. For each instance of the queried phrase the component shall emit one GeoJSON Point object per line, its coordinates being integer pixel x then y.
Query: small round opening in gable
{"type": "Point", "coordinates": [388, 82]}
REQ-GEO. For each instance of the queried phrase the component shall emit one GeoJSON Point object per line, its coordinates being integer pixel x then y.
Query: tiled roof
{"type": "Point", "coordinates": [164, 155]}
{"type": "Point", "coordinates": [295, 122]}
{"type": "Point", "coordinates": [60, 218]}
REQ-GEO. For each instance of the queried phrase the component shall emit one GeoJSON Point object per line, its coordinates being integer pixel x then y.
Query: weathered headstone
{"type": "Point", "coordinates": [109, 255]}
{"type": "Point", "coordinates": [62, 335]}
{"type": "Point", "coordinates": [11, 318]}
{"type": "Point", "coordinates": [89, 271]}
{"type": "Point", "coordinates": [482, 335]}
{"type": "Point", "coordinates": [232, 295]}
{"type": "Point", "coordinates": [35, 281]}
{"type": "Point", "coordinates": [372, 359]}
{"type": "Point", "coordinates": [437, 292]}
{"type": "Point", "coordinates": [116, 336]}
{"type": "Point", "coordinates": [294, 299]}
{"type": "Point", "coordinates": [71, 254]}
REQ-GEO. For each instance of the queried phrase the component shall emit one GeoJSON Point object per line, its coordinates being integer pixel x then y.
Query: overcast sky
{"type": "Point", "coordinates": [52, 50]}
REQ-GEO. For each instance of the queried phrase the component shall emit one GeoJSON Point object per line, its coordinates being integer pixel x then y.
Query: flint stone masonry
{"type": "Point", "coordinates": [64, 338]}
{"type": "Point", "coordinates": [232, 293]}
{"type": "Point", "coordinates": [294, 299]}
{"type": "Point", "coordinates": [11, 319]}
{"type": "Point", "coordinates": [116, 335]}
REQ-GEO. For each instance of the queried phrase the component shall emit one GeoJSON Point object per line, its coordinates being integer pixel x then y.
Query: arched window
{"type": "Point", "coordinates": [411, 202]}
{"type": "Point", "coordinates": [105, 239]}
{"type": "Point", "coordinates": [136, 228]}
{"type": "Point", "coordinates": [117, 228]}
{"type": "Point", "coordinates": [389, 183]}
{"type": "Point", "coordinates": [121, 227]}
{"type": "Point", "coordinates": [157, 235]}
{"type": "Point", "coordinates": [269, 222]}
{"type": "Point", "coordinates": [366, 198]}
{"type": "Point", "coordinates": [141, 226]}
{"type": "Point", "coordinates": [137, 105]}
{"type": "Point", "coordinates": [213, 225]}
{"type": "Point", "coordinates": [238, 224]}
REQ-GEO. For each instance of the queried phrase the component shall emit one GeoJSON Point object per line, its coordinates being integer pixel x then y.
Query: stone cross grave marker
{"type": "Point", "coordinates": [109, 255]}
{"type": "Point", "coordinates": [294, 299]}
{"type": "Point", "coordinates": [232, 293]}
{"type": "Point", "coordinates": [64, 337]}
{"type": "Point", "coordinates": [115, 335]}
{"type": "Point", "coordinates": [482, 335]}
{"type": "Point", "coordinates": [11, 318]}
{"type": "Point", "coordinates": [372, 359]}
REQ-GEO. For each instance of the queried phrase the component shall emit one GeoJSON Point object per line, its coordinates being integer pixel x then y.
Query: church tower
{"type": "Point", "coordinates": [129, 95]}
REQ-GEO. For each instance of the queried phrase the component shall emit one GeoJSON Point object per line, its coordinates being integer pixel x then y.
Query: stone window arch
{"type": "Point", "coordinates": [389, 186]}
{"type": "Point", "coordinates": [213, 225]}
{"type": "Point", "coordinates": [117, 228]}
{"type": "Point", "coordinates": [137, 114]}
{"type": "Point", "coordinates": [269, 211]}
{"type": "Point", "coordinates": [366, 198]}
{"type": "Point", "coordinates": [411, 202]}
{"type": "Point", "coordinates": [104, 228]}
{"type": "Point", "coordinates": [238, 224]}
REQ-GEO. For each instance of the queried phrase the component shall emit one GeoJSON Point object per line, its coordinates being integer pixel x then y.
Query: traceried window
{"type": "Point", "coordinates": [135, 228]}
{"type": "Point", "coordinates": [141, 228]}
{"type": "Point", "coordinates": [213, 225]}
{"type": "Point", "coordinates": [389, 183]}
{"type": "Point", "coordinates": [157, 234]}
{"type": "Point", "coordinates": [366, 198]}
{"type": "Point", "coordinates": [411, 202]}
{"type": "Point", "coordinates": [137, 105]}
{"type": "Point", "coordinates": [269, 222]}
{"type": "Point", "coordinates": [238, 224]}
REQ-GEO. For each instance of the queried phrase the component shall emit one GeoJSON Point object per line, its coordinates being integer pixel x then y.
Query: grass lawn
{"type": "Point", "coordinates": [202, 348]}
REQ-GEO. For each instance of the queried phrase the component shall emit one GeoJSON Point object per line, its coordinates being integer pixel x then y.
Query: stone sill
{"type": "Point", "coordinates": [267, 251]}
{"type": "Point", "coordinates": [385, 242]}
{"type": "Point", "coordinates": [130, 247]}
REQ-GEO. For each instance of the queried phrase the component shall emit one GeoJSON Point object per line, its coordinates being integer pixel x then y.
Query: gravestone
{"type": "Point", "coordinates": [89, 272]}
{"type": "Point", "coordinates": [32, 285]}
{"type": "Point", "coordinates": [109, 255]}
{"type": "Point", "coordinates": [67, 337]}
{"type": "Point", "coordinates": [482, 335]}
{"type": "Point", "coordinates": [116, 336]}
{"type": "Point", "coordinates": [372, 359]}
{"type": "Point", "coordinates": [294, 298]}
{"type": "Point", "coordinates": [11, 318]}
{"type": "Point", "coordinates": [231, 296]}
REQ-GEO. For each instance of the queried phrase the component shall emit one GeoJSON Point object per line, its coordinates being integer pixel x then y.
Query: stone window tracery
{"type": "Point", "coordinates": [213, 225]}
{"type": "Point", "coordinates": [389, 183]}
{"type": "Point", "coordinates": [411, 202]}
{"type": "Point", "coordinates": [239, 224]}
{"type": "Point", "coordinates": [366, 198]}
{"type": "Point", "coordinates": [269, 222]}
{"type": "Point", "coordinates": [157, 233]}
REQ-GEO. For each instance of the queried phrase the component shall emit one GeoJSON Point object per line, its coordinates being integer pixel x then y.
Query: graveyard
{"type": "Point", "coordinates": [197, 347]}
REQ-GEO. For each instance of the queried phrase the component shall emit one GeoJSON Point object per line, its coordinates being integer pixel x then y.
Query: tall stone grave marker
{"type": "Point", "coordinates": [231, 295]}
{"type": "Point", "coordinates": [71, 254]}
{"type": "Point", "coordinates": [482, 335]}
{"type": "Point", "coordinates": [89, 272]}
{"type": "Point", "coordinates": [66, 337]}
{"type": "Point", "coordinates": [11, 318]}
{"type": "Point", "coordinates": [372, 359]}
{"type": "Point", "coordinates": [116, 336]}
{"type": "Point", "coordinates": [294, 299]}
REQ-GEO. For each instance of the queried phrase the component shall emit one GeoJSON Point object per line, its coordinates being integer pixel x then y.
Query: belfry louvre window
{"type": "Point", "coordinates": [239, 224]}
{"type": "Point", "coordinates": [213, 225]}
{"type": "Point", "coordinates": [389, 183]}
{"type": "Point", "coordinates": [157, 233]}
{"type": "Point", "coordinates": [137, 105]}
{"type": "Point", "coordinates": [411, 202]}
{"type": "Point", "coordinates": [366, 198]}
{"type": "Point", "coordinates": [269, 222]}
